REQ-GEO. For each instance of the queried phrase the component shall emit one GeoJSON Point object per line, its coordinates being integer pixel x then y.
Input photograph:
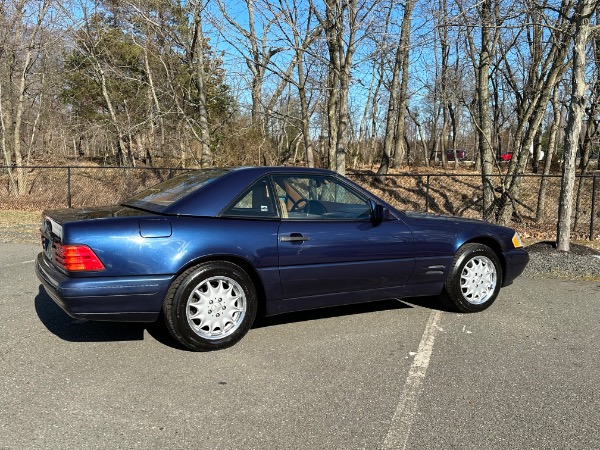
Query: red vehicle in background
{"type": "Point", "coordinates": [506, 156]}
{"type": "Point", "coordinates": [460, 154]}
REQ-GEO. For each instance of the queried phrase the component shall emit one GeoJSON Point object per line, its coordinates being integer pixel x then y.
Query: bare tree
{"type": "Point", "coordinates": [583, 10]}
{"type": "Point", "coordinates": [542, 72]}
{"type": "Point", "coordinates": [22, 52]}
{"type": "Point", "coordinates": [196, 57]}
{"type": "Point", "coordinates": [393, 143]}
{"type": "Point", "coordinates": [370, 123]}
{"type": "Point", "coordinates": [540, 214]}
{"type": "Point", "coordinates": [447, 107]}
{"type": "Point", "coordinates": [253, 42]}
{"type": "Point", "coordinates": [299, 30]}
{"type": "Point", "coordinates": [142, 14]}
{"type": "Point", "coordinates": [346, 23]}
{"type": "Point", "coordinates": [94, 41]}
{"type": "Point", "coordinates": [592, 125]}
{"type": "Point", "coordinates": [481, 57]}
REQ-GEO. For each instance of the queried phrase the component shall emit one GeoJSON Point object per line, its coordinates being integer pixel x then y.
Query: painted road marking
{"type": "Point", "coordinates": [397, 435]}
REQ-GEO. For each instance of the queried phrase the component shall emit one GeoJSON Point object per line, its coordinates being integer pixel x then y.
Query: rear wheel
{"type": "Point", "coordinates": [210, 306]}
{"type": "Point", "coordinates": [474, 279]}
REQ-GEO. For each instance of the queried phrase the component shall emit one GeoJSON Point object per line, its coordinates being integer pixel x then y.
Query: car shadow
{"type": "Point", "coordinates": [348, 310]}
{"type": "Point", "coordinates": [433, 303]}
{"type": "Point", "coordinates": [76, 330]}
{"type": "Point", "coordinates": [69, 329]}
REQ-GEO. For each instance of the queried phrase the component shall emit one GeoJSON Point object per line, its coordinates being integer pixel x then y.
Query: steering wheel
{"type": "Point", "coordinates": [296, 205]}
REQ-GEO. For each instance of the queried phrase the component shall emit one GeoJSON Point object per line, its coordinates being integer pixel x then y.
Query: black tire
{"type": "Point", "coordinates": [210, 306]}
{"type": "Point", "coordinates": [474, 280]}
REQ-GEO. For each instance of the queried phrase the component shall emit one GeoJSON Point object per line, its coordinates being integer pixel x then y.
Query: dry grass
{"type": "Point", "coordinates": [12, 218]}
{"type": "Point", "coordinates": [20, 226]}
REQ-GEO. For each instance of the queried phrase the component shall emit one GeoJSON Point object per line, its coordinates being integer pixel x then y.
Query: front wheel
{"type": "Point", "coordinates": [210, 306]}
{"type": "Point", "coordinates": [474, 279]}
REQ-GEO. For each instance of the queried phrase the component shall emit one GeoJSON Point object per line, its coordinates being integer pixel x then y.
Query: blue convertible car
{"type": "Point", "coordinates": [208, 248]}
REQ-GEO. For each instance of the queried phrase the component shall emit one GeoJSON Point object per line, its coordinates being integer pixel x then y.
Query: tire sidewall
{"type": "Point", "coordinates": [453, 287]}
{"type": "Point", "coordinates": [186, 335]}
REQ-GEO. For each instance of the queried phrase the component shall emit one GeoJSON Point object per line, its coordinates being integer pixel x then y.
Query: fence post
{"type": "Point", "coordinates": [593, 213]}
{"type": "Point", "coordinates": [483, 205]}
{"type": "Point", "coordinates": [68, 186]}
{"type": "Point", "coordinates": [427, 195]}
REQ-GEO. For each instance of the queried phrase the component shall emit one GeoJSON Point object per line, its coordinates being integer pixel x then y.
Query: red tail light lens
{"type": "Point", "coordinates": [77, 258]}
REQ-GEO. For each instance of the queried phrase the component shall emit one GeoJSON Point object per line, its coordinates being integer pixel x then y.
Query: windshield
{"type": "Point", "coordinates": [159, 197]}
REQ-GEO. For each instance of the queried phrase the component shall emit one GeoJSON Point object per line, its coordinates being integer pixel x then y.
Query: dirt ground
{"type": "Point", "coordinates": [20, 226]}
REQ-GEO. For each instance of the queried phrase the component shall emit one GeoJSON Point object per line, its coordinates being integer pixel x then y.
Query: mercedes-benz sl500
{"type": "Point", "coordinates": [208, 249]}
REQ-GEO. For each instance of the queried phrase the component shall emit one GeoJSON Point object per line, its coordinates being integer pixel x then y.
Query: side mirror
{"type": "Point", "coordinates": [379, 213]}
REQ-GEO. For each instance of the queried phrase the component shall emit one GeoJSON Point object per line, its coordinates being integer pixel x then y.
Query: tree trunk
{"type": "Point", "coordinates": [583, 11]}
{"type": "Point", "coordinates": [591, 128]}
{"type": "Point", "coordinates": [197, 48]}
{"type": "Point", "coordinates": [113, 115]}
{"type": "Point", "coordinates": [155, 109]}
{"type": "Point", "coordinates": [540, 214]}
{"type": "Point", "coordinates": [21, 175]}
{"type": "Point", "coordinates": [590, 134]}
{"type": "Point", "coordinates": [368, 112]}
{"type": "Point", "coordinates": [393, 145]}
{"type": "Point", "coordinates": [333, 27]}
{"type": "Point", "coordinates": [444, 94]}
{"type": "Point", "coordinates": [486, 151]}
{"type": "Point", "coordinates": [421, 136]}
{"type": "Point", "coordinates": [5, 149]}
{"type": "Point", "coordinates": [305, 118]}
{"type": "Point", "coordinates": [332, 114]}
{"type": "Point", "coordinates": [532, 99]}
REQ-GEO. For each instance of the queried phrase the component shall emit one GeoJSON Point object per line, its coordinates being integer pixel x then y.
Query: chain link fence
{"type": "Point", "coordinates": [72, 187]}
{"type": "Point", "coordinates": [462, 195]}
{"type": "Point", "coordinates": [442, 193]}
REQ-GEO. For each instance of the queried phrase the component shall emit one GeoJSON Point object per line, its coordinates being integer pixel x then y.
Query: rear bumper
{"type": "Point", "coordinates": [128, 299]}
{"type": "Point", "coordinates": [516, 260]}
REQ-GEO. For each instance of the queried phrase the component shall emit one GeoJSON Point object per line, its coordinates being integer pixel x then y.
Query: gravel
{"type": "Point", "coordinates": [581, 262]}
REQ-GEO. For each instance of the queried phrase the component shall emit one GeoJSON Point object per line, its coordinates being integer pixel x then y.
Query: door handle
{"type": "Point", "coordinates": [294, 237]}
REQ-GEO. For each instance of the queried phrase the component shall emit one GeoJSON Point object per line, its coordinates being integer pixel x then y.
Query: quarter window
{"type": "Point", "coordinates": [255, 202]}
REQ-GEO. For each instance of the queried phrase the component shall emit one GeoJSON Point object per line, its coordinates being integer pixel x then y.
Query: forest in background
{"type": "Point", "coordinates": [340, 84]}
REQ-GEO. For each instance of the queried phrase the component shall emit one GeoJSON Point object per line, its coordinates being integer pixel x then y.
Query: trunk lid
{"type": "Point", "coordinates": [62, 216]}
{"type": "Point", "coordinates": [55, 220]}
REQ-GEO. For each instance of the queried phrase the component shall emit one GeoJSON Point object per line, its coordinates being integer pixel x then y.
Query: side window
{"type": "Point", "coordinates": [319, 198]}
{"type": "Point", "coordinates": [257, 201]}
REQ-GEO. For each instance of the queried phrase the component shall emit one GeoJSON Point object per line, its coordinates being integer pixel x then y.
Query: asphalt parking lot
{"type": "Point", "coordinates": [524, 374]}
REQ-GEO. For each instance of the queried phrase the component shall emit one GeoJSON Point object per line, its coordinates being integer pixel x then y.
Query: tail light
{"type": "Point", "coordinates": [77, 258]}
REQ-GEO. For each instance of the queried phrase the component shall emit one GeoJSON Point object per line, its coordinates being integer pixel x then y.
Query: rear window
{"type": "Point", "coordinates": [159, 197]}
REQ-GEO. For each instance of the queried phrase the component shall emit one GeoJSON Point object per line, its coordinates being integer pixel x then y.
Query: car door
{"type": "Point", "coordinates": [330, 252]}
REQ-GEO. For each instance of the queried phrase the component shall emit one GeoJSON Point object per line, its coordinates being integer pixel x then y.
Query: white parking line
{"type": "Point", "coordinates": [399, 431]}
